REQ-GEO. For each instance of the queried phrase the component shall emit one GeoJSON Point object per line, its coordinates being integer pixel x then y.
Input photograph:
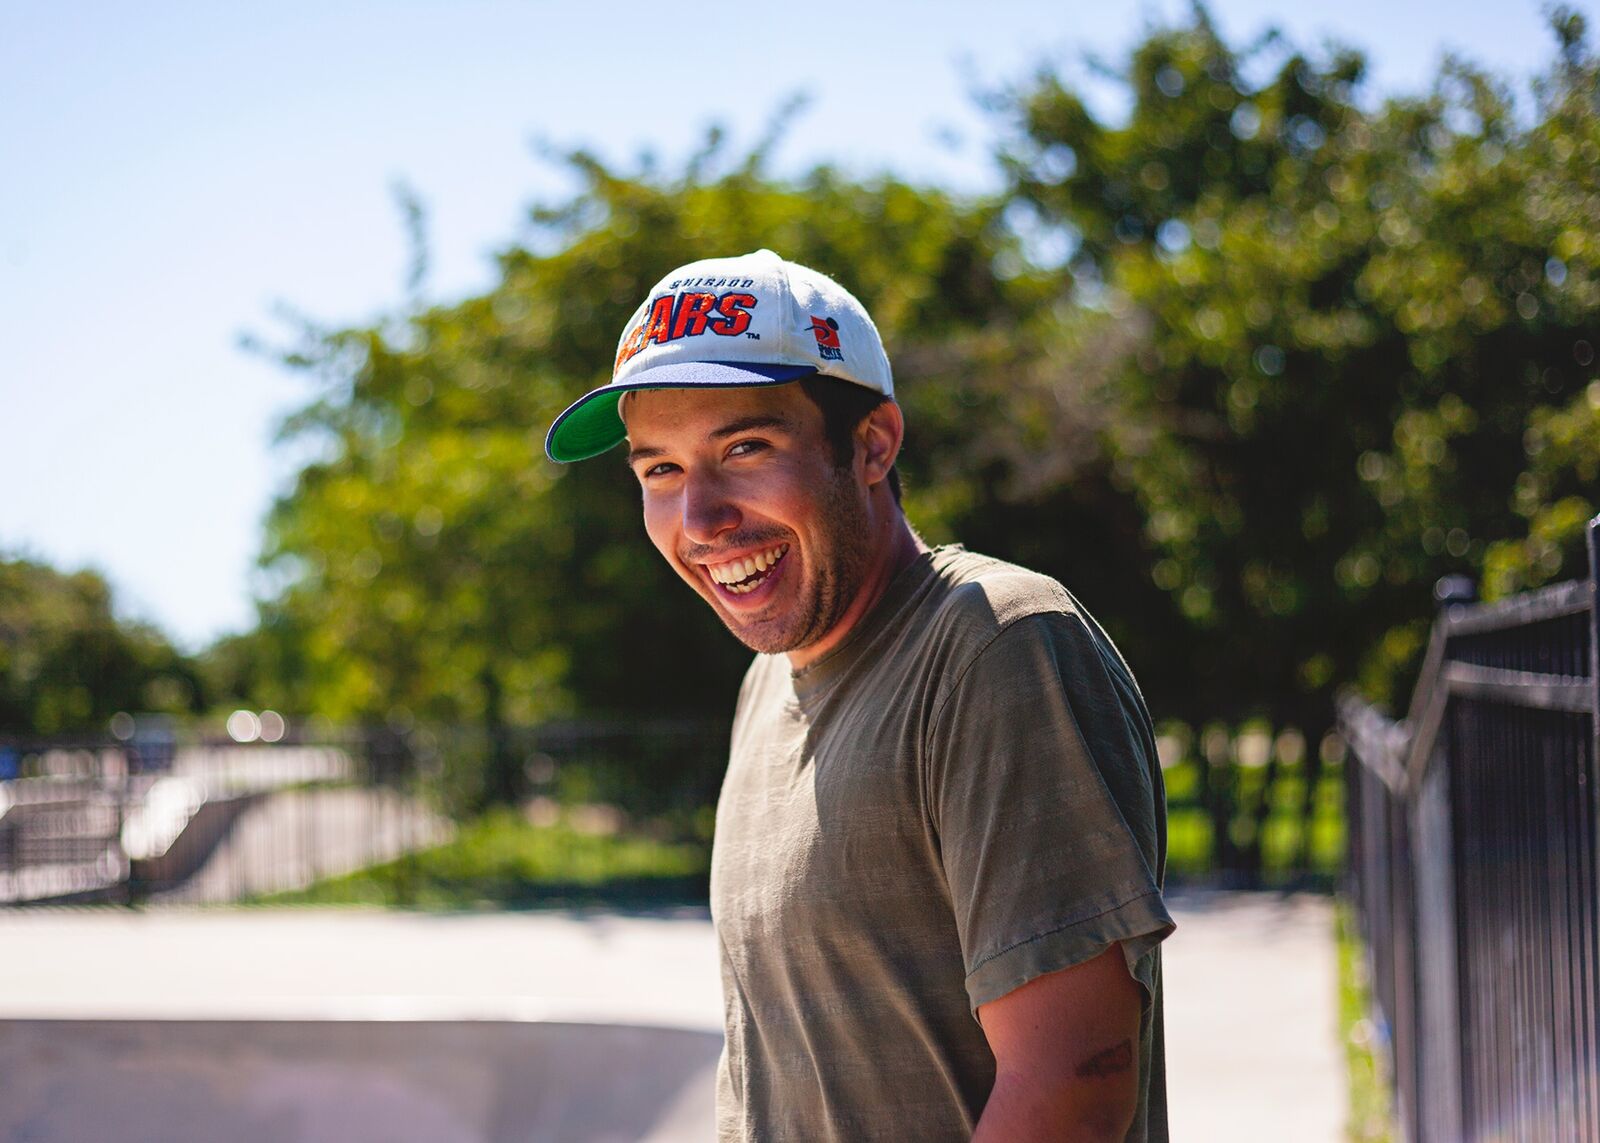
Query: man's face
{"type": "Point", "coordinates": [742, 498]}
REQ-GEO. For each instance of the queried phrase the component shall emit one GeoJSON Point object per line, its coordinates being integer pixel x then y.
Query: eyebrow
{"type": "Point", "coordinates": [755, 421]}
{"type": "Point", "coordinates": [731, 429]}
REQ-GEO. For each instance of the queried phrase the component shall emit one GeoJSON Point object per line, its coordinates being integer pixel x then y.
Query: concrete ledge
{"type": "Point", "coordinates": [195, 840]}
{"type": "Point", "coordinates": [284, 1081]}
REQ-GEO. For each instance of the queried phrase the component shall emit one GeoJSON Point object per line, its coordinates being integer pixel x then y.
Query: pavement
{"type": "Point", "coordinates": [1253, 1048]}
{"type": "Point", "coordinates": [1252, 1041]}
{"type": "Point", "coordinates": [360, 964]}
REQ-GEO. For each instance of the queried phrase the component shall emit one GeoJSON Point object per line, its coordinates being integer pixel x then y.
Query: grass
{"type": "Point", "coordinates": [1191, 844]}
{"type": "Point", "coordinates": [504, 859]}
{"type": "Point", "coordinates": [1370, 1118]}
{"type": "Point", "coordinates": [581, 856]}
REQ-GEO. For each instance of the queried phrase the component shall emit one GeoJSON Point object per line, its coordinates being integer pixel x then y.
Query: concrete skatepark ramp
{"type": "Point", "coordinates": [200, 1025]}
{"type": "Point", "coordinates": [141, 1081]}
{"type": "Point", "coordinates": [343, 1026]}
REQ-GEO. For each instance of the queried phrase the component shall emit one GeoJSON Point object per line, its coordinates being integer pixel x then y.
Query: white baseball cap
{"type": "Point", "coordinates": [724, 323]}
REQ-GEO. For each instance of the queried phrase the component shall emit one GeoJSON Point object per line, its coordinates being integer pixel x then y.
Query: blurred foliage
{"type": "Point", "coordinates": [1248, 369]}
{"type": "Point", "coordinates": [1369, 352]}
{"type": "Point", "coordinates": [1252, 805]}
{"type": "Point", "coordinates": [67, 663]}
{"type": "Point", "coordinates": [434, 566]}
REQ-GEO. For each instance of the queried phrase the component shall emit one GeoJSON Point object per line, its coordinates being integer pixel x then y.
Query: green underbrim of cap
{"type": "Point", "coordinates": [592, 424]}
{"type": "Point", "coordinates": [588, 428]}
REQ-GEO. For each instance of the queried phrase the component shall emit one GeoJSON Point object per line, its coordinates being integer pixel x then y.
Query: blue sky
{"type": "Point", "coordinates": [171, 173]}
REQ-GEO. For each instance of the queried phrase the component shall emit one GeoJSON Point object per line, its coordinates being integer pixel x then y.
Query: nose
{"type": "Point", "coordinates": [708, 510]}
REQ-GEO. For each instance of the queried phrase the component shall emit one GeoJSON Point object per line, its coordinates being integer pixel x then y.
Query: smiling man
{"type": "Point", "coordinates": [936, 880]}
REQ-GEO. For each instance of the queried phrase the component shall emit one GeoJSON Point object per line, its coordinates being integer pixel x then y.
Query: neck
{"type": "Point", "coordinates": [895, 547]}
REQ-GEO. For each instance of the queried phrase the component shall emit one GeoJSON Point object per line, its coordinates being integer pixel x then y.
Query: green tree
{"type": "Point", "coordinates": [1557, 491]}
{"type": "Point", "coordinates": [434, 565]}
{"type": "Point", "coordinates": [1353, 319]}
{"type": "Point", "coordinates": [1300, 358]}
{"type": "Point", "coordinates": [67, 663]}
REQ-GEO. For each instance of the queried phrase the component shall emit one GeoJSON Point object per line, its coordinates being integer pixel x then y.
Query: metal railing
{"type": "Point", "coordinates": [1472, 861]}
{"type": "Point", "coordinates": [93, 821]}
{"type": "Point", "coordinates": [1253, 806]}
{"type": "Point", "coordinates": [210, 820]}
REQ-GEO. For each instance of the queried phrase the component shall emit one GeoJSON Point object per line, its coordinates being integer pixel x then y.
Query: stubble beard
{"type": "Point", "coordinates": [837, 574]}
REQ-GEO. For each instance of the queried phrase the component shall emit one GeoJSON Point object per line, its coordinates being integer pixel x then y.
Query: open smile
{"type": "Point", "coordinates": [746, 574]}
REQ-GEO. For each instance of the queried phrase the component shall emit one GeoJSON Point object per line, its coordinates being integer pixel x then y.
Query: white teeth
{"type": "Point", "coordinates": [735, 571]}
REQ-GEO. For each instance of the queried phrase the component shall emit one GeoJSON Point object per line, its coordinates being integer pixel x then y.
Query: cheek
{"type": "Point", "coordinates": [791, 497]}
{"type": "Point", "coordinates": [658, 525]}
{"type": "Point", "coordinates": [661, 525]}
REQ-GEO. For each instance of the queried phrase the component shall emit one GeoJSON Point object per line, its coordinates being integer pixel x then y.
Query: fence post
{"type": "Point", "coordinates": [1594, 659]}
{"type": "Point", "coordinates": [1594, 630]}
{"type": "Point", "coordinates": [1593, 1113]}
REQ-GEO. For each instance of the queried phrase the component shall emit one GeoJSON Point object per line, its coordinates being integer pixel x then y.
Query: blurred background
{"type": "Point", "coordinates": [1247, 324]}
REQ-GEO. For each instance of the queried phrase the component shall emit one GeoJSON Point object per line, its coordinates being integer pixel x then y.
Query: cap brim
{"type": "Point", "coordinates": [591, 425]}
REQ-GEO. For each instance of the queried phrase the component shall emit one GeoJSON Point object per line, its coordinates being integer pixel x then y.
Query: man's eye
{"type": "Point", "coordinates": [661, 469]}
{"type": "Point", "coordinates": [746, 448]}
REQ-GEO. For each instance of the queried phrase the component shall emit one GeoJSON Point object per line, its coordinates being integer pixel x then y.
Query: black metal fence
{"type": "Point", "coordinates": [1253, 806]}
{"type": "Point", "coordinates": [182, 817]}
{"type": "Point", "coordinates": [1472, 859]}
{"type": "Point", "coordinates": [167, 813]}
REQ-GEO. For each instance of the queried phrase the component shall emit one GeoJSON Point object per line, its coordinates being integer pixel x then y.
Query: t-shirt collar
{"type": "Point", "coordinates": [903, 589]}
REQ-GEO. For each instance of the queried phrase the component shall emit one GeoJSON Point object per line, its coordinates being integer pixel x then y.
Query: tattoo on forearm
{"type": "Point", "coordinates": [1110, 1062]}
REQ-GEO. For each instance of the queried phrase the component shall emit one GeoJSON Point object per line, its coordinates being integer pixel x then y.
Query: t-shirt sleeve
{"type": "Point", "coordinates": [1046, 800]}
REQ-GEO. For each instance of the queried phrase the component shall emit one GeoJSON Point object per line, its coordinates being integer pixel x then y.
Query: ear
{"type": "Point", "coordinates": [878, 439]}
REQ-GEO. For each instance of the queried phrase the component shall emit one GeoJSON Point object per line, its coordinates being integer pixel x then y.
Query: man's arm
{"type": "Point", "coordinates": [1066, 1049]}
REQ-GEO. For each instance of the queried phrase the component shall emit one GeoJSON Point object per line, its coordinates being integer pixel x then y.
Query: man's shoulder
{"type": "Point", "coordinates": [980, 596]}
{"type": "Point", "coordinates": [1020, 619]}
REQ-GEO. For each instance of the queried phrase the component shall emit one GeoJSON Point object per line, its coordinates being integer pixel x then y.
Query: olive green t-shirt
{"type": "Point", "coordinates": [961, 797]}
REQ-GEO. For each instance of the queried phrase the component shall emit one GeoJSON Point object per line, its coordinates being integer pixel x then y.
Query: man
{"type": "Point", "coordinates": [936, 880]}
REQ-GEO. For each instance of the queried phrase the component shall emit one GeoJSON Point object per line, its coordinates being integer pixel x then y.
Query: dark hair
{"type": "Point", "coordinates": [844, 406]}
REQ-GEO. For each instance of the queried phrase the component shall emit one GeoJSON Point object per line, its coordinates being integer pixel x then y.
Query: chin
{"type": "Point", "coordinates": [763, 638]}
{"type": "Point", "coordinates": [754, 641]}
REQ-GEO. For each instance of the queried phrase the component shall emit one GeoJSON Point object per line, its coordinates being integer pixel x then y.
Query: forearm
{"type": "Point", "coordinates": [1097, 1104]}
